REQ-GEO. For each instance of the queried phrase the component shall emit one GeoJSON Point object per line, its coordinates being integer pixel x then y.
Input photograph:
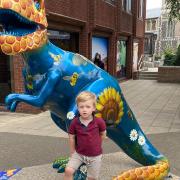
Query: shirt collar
{"type": "Point", "coordinates": [79, 121]}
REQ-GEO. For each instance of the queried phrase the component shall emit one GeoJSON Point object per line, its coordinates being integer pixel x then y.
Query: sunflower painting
{"type": "Point", "coordinates": [110, 106]}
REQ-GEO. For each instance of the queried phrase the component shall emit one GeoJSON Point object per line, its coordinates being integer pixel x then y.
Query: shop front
{"type": "Point", "coordinates": [100, 51]}
{"type": "Point", "coordinates": [121, 64]}
{"type": "Point", "coordinates": [5, 77]}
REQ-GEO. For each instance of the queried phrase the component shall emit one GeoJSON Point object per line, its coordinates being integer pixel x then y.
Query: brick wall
{"type": "Point", "coordinates": [105, 14]}
{"type": "Point", "coordinates": [169, 74]}
{"type": "Point", "coordinates": [76, 9]}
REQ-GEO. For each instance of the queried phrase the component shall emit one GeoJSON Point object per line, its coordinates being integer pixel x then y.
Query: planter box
{"type": "Point", "coordinates": [169, 74]}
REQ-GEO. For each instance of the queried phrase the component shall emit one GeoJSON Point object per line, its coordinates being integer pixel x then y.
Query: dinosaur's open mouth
{"type": "Point", "coordinates": [14, 24]}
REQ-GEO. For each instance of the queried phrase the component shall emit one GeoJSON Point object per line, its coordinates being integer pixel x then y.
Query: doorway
{"type": "Point", "coordinates": [135, 56]}
{"type": "Point", "coordinates": [5, 77]}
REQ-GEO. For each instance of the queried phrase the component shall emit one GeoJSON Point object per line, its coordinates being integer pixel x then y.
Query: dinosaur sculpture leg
{"type": "Point", "coordinates": [141, 150]}
{"type": "Point", "coordinates": [124, 130]}
{"type": "Point", "coordinates": [59, 122]}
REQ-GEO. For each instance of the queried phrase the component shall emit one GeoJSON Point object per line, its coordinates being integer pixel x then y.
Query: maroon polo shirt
{"type": "Point", "coordinates": [88, 140]}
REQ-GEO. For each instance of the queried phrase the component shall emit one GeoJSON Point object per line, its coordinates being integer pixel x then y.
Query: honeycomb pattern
{"type": "Point", "coordinates": [155, 172]}
{"type": "Point", "coordinates": [27, 9]}
{"type": "Point", "coordinates": [11, 45]}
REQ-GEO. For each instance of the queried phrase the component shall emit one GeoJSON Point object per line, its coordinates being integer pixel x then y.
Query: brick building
{"type": "Point", "coordinates": [116, 27]}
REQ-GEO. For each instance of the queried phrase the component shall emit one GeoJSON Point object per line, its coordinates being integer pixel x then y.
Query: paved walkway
{"type": "Point", "coordinates": [33, 141]}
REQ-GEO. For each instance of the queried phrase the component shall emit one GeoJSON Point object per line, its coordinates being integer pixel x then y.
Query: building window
{"type": "Point", "coordinates": [121, 59]}
{"type": "Point", "coordinates": [110, 1]}
{"type": "Point", "coordinates": [126, 4]}
{"type": "Point", "coordinates": [100, 49]}
{"type": "Point", "coordinates": [68, 41]}
{"type": "Point", "coordinates": [148, 26]}
{"type": "Point", "coordinates": [170, 29]}
{"type": "Point", "coordinates": [141, 8]}
{"type": "Point", "coordinates": [147, 45]}
{"type": "Point", "coordinates": [154, 25]}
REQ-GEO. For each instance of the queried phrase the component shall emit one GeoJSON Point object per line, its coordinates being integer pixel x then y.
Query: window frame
{"type": "Point", "coordinates": [141, 9]}
{"type": "Point", "coordinates": [111, 2]}
{"type": "Point", "coordinates": [170, 29]}
{"type": "Point", "coordinates": [127, 6]}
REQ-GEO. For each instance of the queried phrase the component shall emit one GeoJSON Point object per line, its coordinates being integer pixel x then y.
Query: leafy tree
{"type": "Point", "coordinates": [174, 9]}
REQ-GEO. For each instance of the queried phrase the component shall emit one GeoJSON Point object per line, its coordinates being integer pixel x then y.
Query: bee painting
{"type": "Point", "coordinates": [55, 57]}
{"type": "Point", "coordinates": [29, 82]}
{"type": "Point", "coordinates": [72, 79]}
{"type": "Point", "coordinates": [80, 60]}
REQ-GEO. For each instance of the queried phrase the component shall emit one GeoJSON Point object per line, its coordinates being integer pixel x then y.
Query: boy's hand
{"type": "Point", "coordinates": [103, 135]}
{"type": "Point", "coordinates": [72, 143]}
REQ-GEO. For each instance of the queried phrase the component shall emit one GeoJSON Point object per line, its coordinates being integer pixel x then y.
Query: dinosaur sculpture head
{"type": "Point", "coordinates": [23, 25]}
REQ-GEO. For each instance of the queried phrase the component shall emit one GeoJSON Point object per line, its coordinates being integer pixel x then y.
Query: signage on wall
{"type": "Point", "coordinates": [121, 59]}
{"type": "Point", "coordinates": [100, 50]}
{"type": "Point", "coordinates": [53, 34]}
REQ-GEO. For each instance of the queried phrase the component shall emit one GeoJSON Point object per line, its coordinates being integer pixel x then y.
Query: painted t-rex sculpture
{"type": "Point", "coordinates": [53, 77]}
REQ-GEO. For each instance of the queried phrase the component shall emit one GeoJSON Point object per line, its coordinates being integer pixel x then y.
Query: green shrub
{"type": "Point", "coordinates": [169, 57]}
{"type": "Point", "coordinates": [177, 57]}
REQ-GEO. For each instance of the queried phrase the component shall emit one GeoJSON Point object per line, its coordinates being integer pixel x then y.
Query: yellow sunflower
{"type": "Point", "coordinates": [110, 106]}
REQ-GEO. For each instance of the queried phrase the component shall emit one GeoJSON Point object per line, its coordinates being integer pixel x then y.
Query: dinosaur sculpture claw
{"type": "Point", "coordinates": [60, 164]}
{"type": "Point", "coordinates": [11, 102]}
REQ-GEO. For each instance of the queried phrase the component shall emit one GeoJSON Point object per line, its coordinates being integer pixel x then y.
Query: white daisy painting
{"type": "Point", "coordinates": [70, 115]}
{"type": "Point", "coordinates": [133, 135]}
{"type": "Point", "coordinates": [141, 140]}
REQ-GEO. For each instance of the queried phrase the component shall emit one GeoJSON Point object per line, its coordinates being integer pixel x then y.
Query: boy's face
{"type": "Point", "coordinates": [86, 109]}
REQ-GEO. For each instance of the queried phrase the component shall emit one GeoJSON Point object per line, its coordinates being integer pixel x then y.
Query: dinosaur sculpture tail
{"type": "Point", "coordinates": [157, 172]}
{"type": "Point", "coordinates": [124, 130]}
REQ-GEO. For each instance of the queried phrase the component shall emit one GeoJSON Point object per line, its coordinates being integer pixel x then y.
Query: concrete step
{"type": "Point", "coordinates": [148, 75]}
{"type": "Point", "coordinates": [148, 78]}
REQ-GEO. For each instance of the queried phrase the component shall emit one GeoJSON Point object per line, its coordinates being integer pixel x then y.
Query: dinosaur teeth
{"type": "Point", "coordinates": [15, 24]}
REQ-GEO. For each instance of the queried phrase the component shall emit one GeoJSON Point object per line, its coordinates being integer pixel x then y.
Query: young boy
{"type": "Point", "coordinates": [89, 132]}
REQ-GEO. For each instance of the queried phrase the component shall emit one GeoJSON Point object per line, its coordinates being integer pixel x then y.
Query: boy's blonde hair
{"type": "Point", "coordinates": [85, 96]}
